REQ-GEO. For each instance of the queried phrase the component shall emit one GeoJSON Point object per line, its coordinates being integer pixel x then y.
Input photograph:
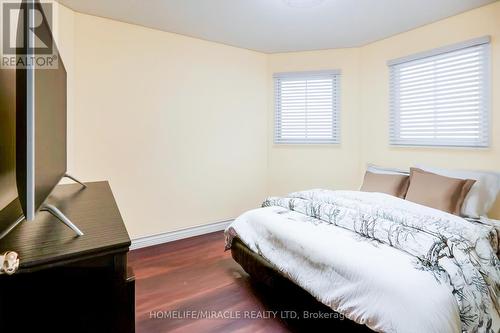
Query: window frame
{"type": "Point", "coordinates": [484, 141]}
{"type": "Point", "coordinates": [335, 75]}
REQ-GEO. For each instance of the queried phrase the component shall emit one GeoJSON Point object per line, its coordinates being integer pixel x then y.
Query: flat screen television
{"type": "Point", "coordinates": [41, 119]}
{"type": "Point", "coordinates": [37, 96]}
{"type": "Point", "coordinates": [10, 206]}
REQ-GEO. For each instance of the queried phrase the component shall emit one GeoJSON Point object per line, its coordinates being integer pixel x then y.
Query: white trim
{"type": "Point", "coordinates": [319, 73]}
{"type": "Point", "coordinates": [487, 94]}
{"type": "Point", "coordinates": [441, 50]}
{"type": "Point", "coordinates": [167, 237]}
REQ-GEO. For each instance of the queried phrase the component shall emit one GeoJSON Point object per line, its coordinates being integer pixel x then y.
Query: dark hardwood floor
{"type": "Point", "coordinates": [196, 274]}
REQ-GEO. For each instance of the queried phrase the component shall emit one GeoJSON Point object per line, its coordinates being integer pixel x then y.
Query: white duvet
{"type": "Point", "coordinates": [331, 243]}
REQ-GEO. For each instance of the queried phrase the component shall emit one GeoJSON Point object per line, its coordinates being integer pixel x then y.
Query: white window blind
{"type": "Point", "coordinates": [307, 107]}
{"type": "Point", "coordinates": [441, 97]}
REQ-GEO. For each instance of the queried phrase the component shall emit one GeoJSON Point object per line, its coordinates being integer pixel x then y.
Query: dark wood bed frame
{"type": "Point", "coordinates": [284, 295]}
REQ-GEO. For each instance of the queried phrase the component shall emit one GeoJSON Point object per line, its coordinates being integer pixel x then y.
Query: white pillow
{"type": "Point", "coordinates": [481, 196]}
{"type": "Point", "coordinates": [385, 171]}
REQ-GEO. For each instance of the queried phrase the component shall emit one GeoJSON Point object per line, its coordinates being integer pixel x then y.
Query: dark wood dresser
{"type": "Point", "coordinates": [67, 283]}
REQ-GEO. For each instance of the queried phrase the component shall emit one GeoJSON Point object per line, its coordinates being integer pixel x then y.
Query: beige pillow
{"type": "Point", "coordinates": [395, 185]}
{"type": "Point", "coordinates": [436, 191]}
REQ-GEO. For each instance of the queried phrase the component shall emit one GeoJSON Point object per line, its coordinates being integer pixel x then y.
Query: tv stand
{"type": "Point", "coordinates": [59, 215]}
{"type": "Point", "coordinates": [67, 175]}
{"type": "Point", "coordinates": [66, 283]}
{"type": "Point", "coordinates": [12, 226]}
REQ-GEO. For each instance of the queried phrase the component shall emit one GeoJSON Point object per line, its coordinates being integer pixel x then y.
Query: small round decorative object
{"type": "Point", "coordinates": [9, 263]}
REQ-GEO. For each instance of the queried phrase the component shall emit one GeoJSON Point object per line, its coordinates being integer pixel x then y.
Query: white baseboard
{"type": "Point", "coordinates": [166, 237]}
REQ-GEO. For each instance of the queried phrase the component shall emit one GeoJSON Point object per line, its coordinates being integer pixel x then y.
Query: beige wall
{"type": "Point", "coordinates": [365, 109]}
{"type": "Point", "coordinates": [64, 34]}
{"type": "Point", "coordinates": [375, 88]}
{"type": "Point", "coordinates": [177, 125]}
{"type": "Point", "coordinates": [296, 167]}
{"type": "Point", "coordinates": [183, 128]}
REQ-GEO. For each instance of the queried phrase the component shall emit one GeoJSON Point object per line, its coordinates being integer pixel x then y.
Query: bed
{"type": "Point", "coordinates": [282, 296]}
{"type": "Point", "coordinates": [379, 260]}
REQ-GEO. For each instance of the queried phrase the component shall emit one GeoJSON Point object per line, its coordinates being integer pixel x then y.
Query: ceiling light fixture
{"type": "Point", "coordinates": [303, 3]}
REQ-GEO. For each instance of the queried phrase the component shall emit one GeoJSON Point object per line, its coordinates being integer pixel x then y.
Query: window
{"type": "Point", "coordinates": [307, 107]}
{"type": "Point", "coordinates": [441, 97]}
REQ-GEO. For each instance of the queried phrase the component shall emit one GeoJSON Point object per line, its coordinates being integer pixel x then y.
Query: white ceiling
{"type": "Point", "coordinates": [272, 26]}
